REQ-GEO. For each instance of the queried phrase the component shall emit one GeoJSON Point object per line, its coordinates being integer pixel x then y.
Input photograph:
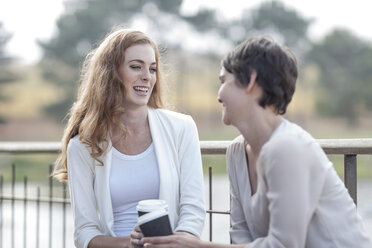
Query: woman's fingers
{"type": "Point", "coordinates": [135, 236]}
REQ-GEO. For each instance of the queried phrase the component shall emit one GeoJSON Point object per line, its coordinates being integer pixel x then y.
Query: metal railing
{"type": "Point", "coordinates": [350, 148]}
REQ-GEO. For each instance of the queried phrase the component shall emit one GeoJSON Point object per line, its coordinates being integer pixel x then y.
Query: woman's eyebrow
{"type": "Point", "coordinates": [141, 61]}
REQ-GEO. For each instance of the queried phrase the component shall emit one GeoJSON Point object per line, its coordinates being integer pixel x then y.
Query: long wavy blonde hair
{"type": "Point", "coordinates": [100, 95]}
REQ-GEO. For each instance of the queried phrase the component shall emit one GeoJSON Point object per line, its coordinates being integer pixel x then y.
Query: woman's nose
{"type": "Point", "coordinates": [146, 75]}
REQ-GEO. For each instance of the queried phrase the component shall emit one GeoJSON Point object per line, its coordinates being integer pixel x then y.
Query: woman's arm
{"type": "Point", "coordinates": [293, 179]}
{"type": "Point", "coordinates": [192, 206]}
{"type": "Point", "coordinates": [182, 240]}
{"type": "Point", "coordinates": [102, 241]}
{"type": "Point", "coordinates": [80, 179]}
{"type": "Point", "coordinates": [235, 161]}
{"type": "Point", "coordinates": [87, 231]}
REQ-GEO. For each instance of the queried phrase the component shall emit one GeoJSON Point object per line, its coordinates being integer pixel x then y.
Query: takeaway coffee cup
{"type": "Point", "coordinates": [155, 223]}
{"type": "Point", "coordinates": [148, 206]}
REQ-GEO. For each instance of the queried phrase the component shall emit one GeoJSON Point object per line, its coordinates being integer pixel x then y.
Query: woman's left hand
{"type": "Point", "coordinates": [135, 237]}
{"type": "Point", "coordinates": [179, 239]}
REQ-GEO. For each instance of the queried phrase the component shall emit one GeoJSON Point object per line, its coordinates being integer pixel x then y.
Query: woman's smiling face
{"type": "Point", "coordinates": [230, 95]}
{"type": "Point", "coordinates": [138, 74]}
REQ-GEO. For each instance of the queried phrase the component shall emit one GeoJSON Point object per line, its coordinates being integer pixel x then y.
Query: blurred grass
{"type": "Point", "coordinates": [330, 131]}
{"type": "Point", "coordinates": [364, 165]}
{"type": "Point", "coordinates": [34, 166]}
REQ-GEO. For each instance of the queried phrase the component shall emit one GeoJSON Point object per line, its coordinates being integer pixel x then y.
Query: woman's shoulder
{"type": "Point", "coordinates": [76, 146]}
{"type": "Point", "coordinates": [289, 135]}
{"type": "Point", "coordinates": [169, 114]}
{"type": "Point", "coordinates": [294, 143]}
{"type": "Point", "coordinates": [75, 141]}
{"type": "Point", "coordinates": [236, 146]}
{"type": "Point", "coordinates": [172, 118]}
{"type": "Point", "coordinates": [287, 144]}
{"type": "Point", "coordinates": [235, 154]}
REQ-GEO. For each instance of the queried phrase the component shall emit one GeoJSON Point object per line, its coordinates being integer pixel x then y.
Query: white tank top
{"type": "Point", "coordinates": [132, 178]}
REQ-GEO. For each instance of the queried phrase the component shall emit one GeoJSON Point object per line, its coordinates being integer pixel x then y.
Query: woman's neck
{"type": "Point", "coordinates": [258, 130]}
{"type": "Point", "coordinates": [134, 118]}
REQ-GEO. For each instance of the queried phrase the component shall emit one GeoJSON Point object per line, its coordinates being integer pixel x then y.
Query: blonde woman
{"type": "Point", "coordinates": [120, 147]}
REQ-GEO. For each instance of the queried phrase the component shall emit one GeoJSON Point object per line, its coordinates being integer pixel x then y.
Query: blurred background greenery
{"type": "Point", "coordinates": [333, 97]}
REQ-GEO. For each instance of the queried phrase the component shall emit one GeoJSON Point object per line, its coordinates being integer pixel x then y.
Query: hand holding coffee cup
{"type": "Point", "coordinates": [153, 218]}
{"type": "Point", "coordinates": [135, 237]}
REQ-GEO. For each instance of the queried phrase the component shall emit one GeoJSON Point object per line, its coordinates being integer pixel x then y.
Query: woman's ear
{"type": "Point", "coordinates": [252, 82]}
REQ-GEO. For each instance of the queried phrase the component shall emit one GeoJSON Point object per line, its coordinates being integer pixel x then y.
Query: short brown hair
{"type": "Point", "coordinates": [276, 68]}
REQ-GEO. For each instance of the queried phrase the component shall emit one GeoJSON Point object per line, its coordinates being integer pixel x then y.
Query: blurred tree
{"type": "Point", "coordinates": [5, 73]}
{"type": "Point", "coordinates": [345, 64]}
{"type": "Point", "coordinates": [86, 22]}
{"type": "Point", "coordinates": [275, 19]}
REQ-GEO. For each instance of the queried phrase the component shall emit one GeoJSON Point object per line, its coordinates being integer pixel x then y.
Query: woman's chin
{"type": "Point", "coordinates": [226, 120]}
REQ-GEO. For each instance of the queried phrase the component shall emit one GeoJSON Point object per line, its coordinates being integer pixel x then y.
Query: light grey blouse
{"type": "Point", "coordinates": [300, 200]}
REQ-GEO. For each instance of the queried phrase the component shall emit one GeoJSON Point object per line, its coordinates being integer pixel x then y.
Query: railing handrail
{"type": "Point", "coordinates": [330, 146]}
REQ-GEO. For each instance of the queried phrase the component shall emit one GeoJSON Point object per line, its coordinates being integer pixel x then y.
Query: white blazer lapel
{"type": "Point", "coordinates": [165, 161]}
{"type": "Point", "coordinates": [161, 147]}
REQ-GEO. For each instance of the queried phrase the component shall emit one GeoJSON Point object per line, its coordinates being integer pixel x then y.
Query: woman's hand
{"type": "Point", "coordinates": [135, 237]}
{"type": "Point", "coordinates": [179, 239]}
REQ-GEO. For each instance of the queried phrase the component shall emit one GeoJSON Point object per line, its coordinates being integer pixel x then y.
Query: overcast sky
{"type": "Point", "coordinates": [29, 20]}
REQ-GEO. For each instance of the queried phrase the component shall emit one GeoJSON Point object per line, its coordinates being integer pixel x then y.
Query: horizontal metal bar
{"type": "Point", "coordinates": [61, 200]}
{"type": "Point", "coordinates": [330, 146]}
{"type": "Point", "coordinates": [30, 147]}
{"type": "Point", "coordinates": [214, 147]}
{"type": "Point", "coordinates": [35, 199]}
{"type": "Point", "coordinates": [346, 146]}
{"type": "Point", "coordinates": [217, 212]}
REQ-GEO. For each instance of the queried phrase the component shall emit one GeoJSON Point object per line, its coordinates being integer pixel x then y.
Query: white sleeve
{"type": "Point", "coordinates": [192, 206]}
{"type": "Point", "coordinates": [294, 179]}
{"type": "Point", "coordinates": [239, 232]}
{"type": "Point", "coordinates": [81, 178]}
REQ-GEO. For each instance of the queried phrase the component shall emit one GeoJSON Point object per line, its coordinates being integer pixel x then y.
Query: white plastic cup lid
{"type": "Point", "coordinates": [151, 205]}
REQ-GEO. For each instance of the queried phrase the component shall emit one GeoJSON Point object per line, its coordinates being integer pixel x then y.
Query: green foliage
{"type": "Point", "coordinates": [6, 75]}
{"type": "Point", "coordinates": [86, 23]}
{"type": "Point", "coordinates": [275, 17]}
{"type": "Point", "coordinates": [4, 38]}
{"type": "Point", "coordinates": [271, 18]}
{"type": "Point", "coordinates": [344, 60]}
{"type": "Point", "coordinates": [345, 64]}
{"type": "Point", "coordinates": [204, 20]}
{"type": "Point", "coordinates": [34, 166]}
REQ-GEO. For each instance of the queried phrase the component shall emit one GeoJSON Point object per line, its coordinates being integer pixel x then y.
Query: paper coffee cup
{"type": "Point", "coordinates": [148, 206]}
{"type": "Point", "coordinates": [155, 223]}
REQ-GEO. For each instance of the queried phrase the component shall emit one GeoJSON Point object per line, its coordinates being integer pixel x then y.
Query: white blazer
{"type": "Point", "coordinates": [177, 149]}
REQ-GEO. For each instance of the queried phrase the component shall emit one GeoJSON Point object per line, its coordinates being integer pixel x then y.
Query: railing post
{"type": "Point", "coordinates": [12, 234]}
{"type": "Point", "coordinates": [1, 210]}
{"type": "Point", "coordinates": [350, 175]}
{"type": "Point", "coordinates": [210, 203]}
{"type": "Point", "coordinates": [64, 187]}
{"type": "Point", "coordinates": [25, 212]}
{"type": "Point", "coordinates": [50, 204]}
{"type": "Point", "coordinates": [37, 217]}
